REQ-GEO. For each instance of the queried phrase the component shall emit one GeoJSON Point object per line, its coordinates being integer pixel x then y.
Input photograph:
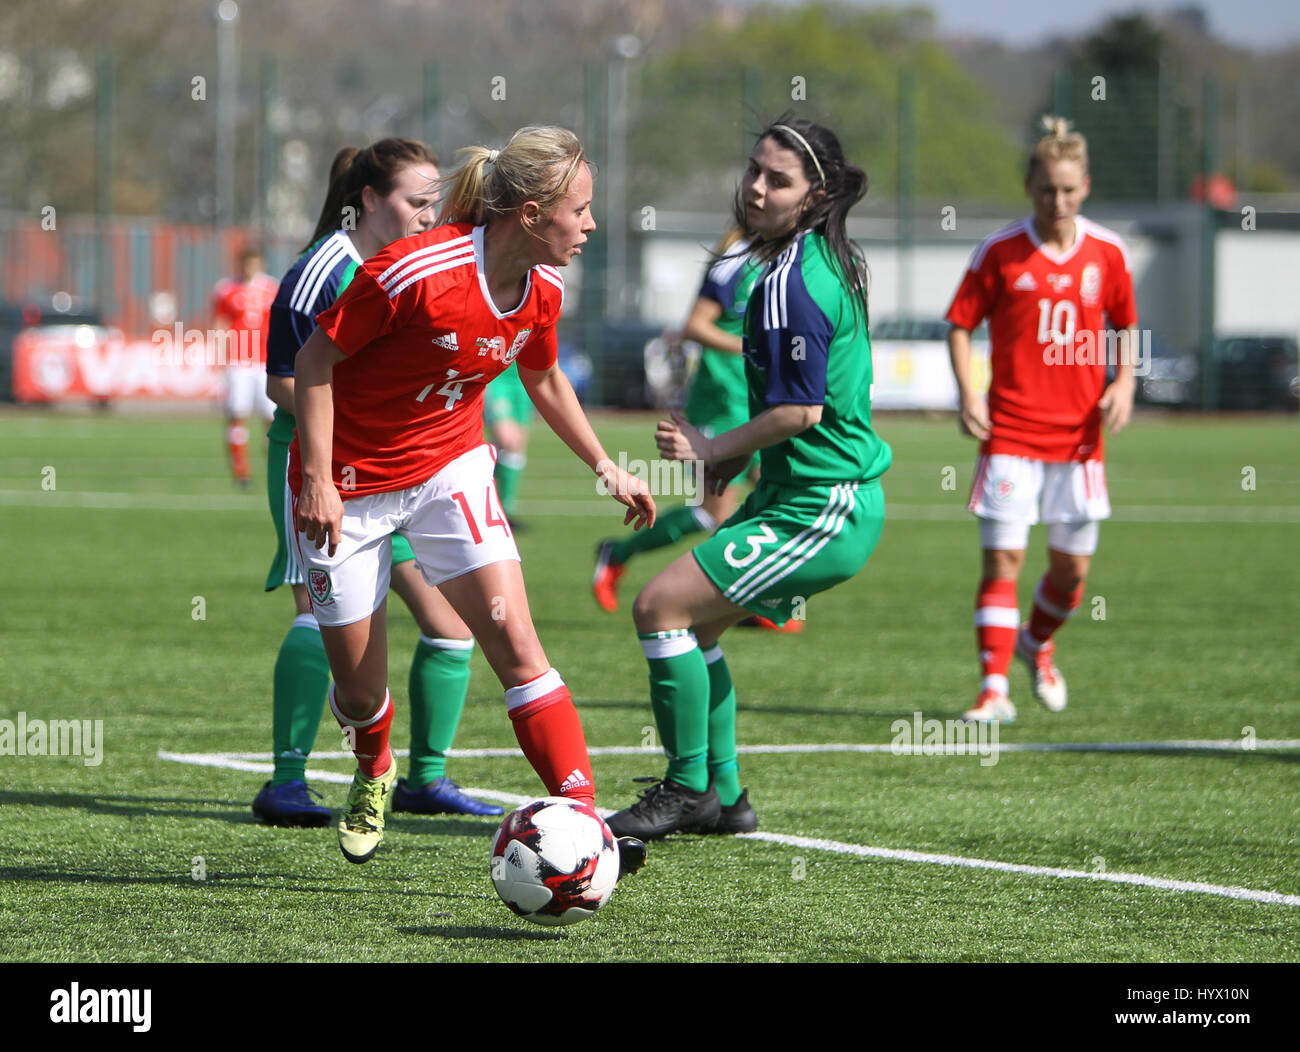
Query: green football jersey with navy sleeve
{"type": "Point", "coordinates": [805, 344]}
{"type": "Point", "coordinates": [719, 395]}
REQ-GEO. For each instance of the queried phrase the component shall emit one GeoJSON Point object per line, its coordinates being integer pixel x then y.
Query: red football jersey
{"type": "Point", "coordinates": [243, 308]}
{"type": "Point", "coordinates": [1048, 318]}
{"type": "Point", "coordinates": [423, 339]}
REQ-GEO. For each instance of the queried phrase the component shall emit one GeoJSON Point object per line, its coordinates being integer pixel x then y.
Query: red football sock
{"type": "Point", "coordinates": [550, 734]}
{"type": "Point", "coordinates": [1052, 608]}
{"type": "Point", "coordinates": [369, 737]}
{"type": "Point", "coordinates": [237, 444]}
{"type": "Point", "coordinates": [997, 619]}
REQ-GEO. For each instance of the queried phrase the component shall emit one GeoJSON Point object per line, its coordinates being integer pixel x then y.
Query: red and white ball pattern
{"type": "Point", "coordinates": [554, 861]}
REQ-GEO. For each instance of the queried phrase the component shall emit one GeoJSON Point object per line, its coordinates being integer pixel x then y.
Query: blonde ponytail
{"type": "Point", "coordinates": [1059, 144]}
{"type": "Point", "coordinates": [537, 164]}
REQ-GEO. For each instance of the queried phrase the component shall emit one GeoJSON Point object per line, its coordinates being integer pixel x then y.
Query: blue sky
{"type": "Point", "coordinates": [1252, 23]}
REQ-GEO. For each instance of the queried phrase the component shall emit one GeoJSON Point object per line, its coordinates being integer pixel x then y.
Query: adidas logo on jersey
{"type": "Point", "coordinates": [448, 342]}
{"type": "Point", "coordinates": [576, 780]}
{"type": "Point", "coordinates": [1025, 283]}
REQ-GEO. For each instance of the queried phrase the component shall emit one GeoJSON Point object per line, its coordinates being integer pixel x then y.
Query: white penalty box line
{"type": "Point", "coordinates": [915, 749]}
{"type": "Point", "coordinates": [255, 763]}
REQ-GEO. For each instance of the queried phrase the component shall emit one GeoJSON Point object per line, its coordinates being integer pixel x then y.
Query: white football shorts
{"type": "Point", "coordinates": [246, 392]}
{"type": "Point", "coordinates": [453, 522]}
{"type": "Point", "coordinates": [1010, 494]}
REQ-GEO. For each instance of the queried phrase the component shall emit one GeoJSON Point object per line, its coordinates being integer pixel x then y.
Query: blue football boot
{"type": "Point", "coordinates": [290, 804]}
{"type": "Point", "coordinates": [442, 796]}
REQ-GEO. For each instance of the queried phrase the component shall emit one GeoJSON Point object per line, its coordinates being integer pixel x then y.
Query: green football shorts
{"type": "Point", "coordinates": [785, 544]}
{"type": "Point", "coordinates": [285, 568]}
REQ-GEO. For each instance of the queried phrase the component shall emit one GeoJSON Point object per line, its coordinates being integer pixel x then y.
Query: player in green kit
{"type": "Point", "coordinates": [507, 414]}
{"type": "Point", "coordinates": [719, 401]}
{"type": "Point", "coordinates": [817, 512]}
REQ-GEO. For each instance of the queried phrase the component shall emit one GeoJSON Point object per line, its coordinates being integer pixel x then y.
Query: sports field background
{"type": "Point", "coordinates": [1200, 577]}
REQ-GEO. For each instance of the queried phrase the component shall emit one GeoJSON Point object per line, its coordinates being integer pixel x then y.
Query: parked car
{"type": "Point", "coordinates": [1252, 372]}
{"type": "Point", "coordinates": [1172, 380]}
{"type": "Point", "coordinates": [1258, 372]}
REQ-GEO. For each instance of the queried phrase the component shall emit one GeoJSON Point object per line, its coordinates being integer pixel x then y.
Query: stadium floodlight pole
{"type": "Point", "coordinates": [626, 47]}
{"type": "Point", "coordinates": [1210, 393]}
{"type": "Point", "coordinates": [227, 12]}
{"type": "Point", "coordinates": [906, 188]}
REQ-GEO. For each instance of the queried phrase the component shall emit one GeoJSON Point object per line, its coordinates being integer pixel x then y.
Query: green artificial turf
{"type": "Point", "coordinates": [133, 595]}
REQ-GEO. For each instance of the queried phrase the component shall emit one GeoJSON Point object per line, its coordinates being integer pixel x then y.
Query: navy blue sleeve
{"type": "Point", "coordinates": [290, 327]}
{"type": "Point", "coordinates": [285, 337]}
{"type": "Point", "coordinates": [793, 339]}
{"type": "Point", "coordinates": [711, 291]}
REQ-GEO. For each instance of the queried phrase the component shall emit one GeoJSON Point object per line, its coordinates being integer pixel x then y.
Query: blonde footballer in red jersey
{"type": "Point", "coordinates": [389, 392]}
{"type": "Point", "coordinates": [242, 307]}
{"type": "Point", "coordinates": [1058, 294]}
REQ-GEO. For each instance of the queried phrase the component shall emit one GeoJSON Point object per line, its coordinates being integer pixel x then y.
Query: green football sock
{"type": "Point", "coordinates": [679, 695]}
{"type": "Point", "coordinates": [670, 528]}
{"type": "Point", "coordinates": [508, 474]}
{"type": "Point", "coordinates": [438, 684]}
{"type": "Point", "coordinates": [302, 678]}
{"type": "Point", "coordinates": [722, 728]}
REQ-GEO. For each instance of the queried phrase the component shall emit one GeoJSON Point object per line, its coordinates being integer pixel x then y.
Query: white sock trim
{"type": "Point", "coordinates": [306, 621]}
{"type": "Point", "coordinates": [714, 653]}
{"type": "Point", "coordinates": [998, 683]}
{"type": "Point", "coordinates": [535, 688]}
{"type": "Point", "coordinates": [347, 721]}
{"type": "Point", "coordinates": [1048, 607]}
{"type": "Point", "coordinates": [705, 520]}
{"type": "Point", "coordinates": [439, 643]}
{"type": "Point", "coordinates": [670, 645]}
{"type": "Point", "coordinates": [997, 617]}
{"type": "Point", "coordinates": [1026, 641]}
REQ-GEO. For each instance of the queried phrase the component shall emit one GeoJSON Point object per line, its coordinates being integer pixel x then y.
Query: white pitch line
{"type": "Point", "coordinates": [129, 501]}
{"type": "Point", "coordinates": [595, 507]}
{"type": "Point", "coordinates": [833, 846]}
{"type": "Point", "coordinates": [919, 749]}
{"type": "Point", "coordinates": [1140, 879]}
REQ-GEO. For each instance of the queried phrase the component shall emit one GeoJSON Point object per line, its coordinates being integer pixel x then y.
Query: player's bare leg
{"type": "Point", "coordinates": [301, 603]}
{"type": "Point", "coordinates": [997, 621]}
{"type": "Point", "coordinates": [1055, 599]}
{"type": "Point", "coordinates": [438, 683]}
{"type": "Point", "coordinates": [358, 656]}
{"type": "Point", "coordinates": [493, 603]}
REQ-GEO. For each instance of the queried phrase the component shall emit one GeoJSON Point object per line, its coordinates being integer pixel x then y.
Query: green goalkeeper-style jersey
{"type": "Point", "coordinates": [806, 345]}
{"type": "Point", "coordinates": [719, 389]}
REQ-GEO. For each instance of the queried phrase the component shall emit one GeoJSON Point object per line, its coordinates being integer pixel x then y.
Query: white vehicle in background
{"type": "Point", "coordinates": [910, 365]}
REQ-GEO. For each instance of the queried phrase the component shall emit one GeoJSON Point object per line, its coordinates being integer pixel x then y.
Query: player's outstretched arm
{"type": "Point", "coordinates": [702, 327]}
{"type": "Point", "coordinates": [319, 509]}
{"type": "Point", "coordinates": [279, 389]}
{"type": "Point", "coordinates": [553, 396]}
{"type": "Point", "coordinates": [972, 407]}
{"type": "Point", "coordinates": [679, 440]}
{"type": "Point", "coordinates": [1117, 400]}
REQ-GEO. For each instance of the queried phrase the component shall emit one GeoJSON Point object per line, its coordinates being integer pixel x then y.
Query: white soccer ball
{"type": "Point", "coordinates": [554, 861]}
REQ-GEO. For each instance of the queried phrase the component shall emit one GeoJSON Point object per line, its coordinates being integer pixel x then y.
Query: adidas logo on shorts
{"type": "Point", "coordinates": [448, 342]}
{"type": "Point", "coordinates": [575, 780]}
